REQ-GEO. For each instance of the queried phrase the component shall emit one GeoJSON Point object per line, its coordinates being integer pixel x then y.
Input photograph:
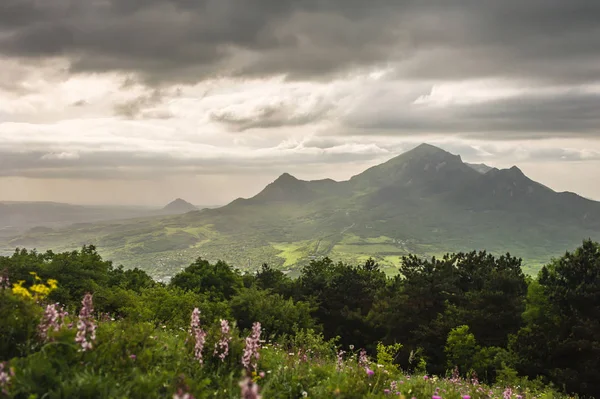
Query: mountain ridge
{"type": "Point", "coordinates": [425, 201]}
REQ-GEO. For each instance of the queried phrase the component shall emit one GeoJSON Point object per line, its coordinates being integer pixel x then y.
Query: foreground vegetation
{"type": "Point", "coordinates": [464, 325]}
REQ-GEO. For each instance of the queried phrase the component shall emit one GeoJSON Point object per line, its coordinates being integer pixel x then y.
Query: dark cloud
{"type": "Point", "coordinates": [277, 115]}
{"type": "Point", "coordinates": [190, 40]}
{"type": "Point", "coordinates": [144, 106]}
{"type": "Point", "coordinates": [525, 116]}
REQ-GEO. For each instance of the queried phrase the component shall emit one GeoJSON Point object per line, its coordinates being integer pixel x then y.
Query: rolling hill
{"type": "Point", "coordinates": [425, 201]}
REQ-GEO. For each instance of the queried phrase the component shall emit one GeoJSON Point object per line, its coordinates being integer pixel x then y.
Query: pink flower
{"type": "Point", "coordinates": [52, 320]}
{"type": "Point", "coordinates": [386, 391]}
{"type": "Point", "coordinates": [132, 357]}
{"type": "Point", "coordinates": [198, 334]}
{"type": "Point", "coordinates": [507, 394]}
{"type": "Point", "coordinates": [340, 360]}
{"type": "Point", "coordinates": [86, 327]}
{"type": "Point", "coordinates": [436, 397]}
{"type": "Point", "coordinates": [252, 347]}
{"type": "Point", "coordinates": [363, 360]}
{"type": "Point", "coordinates": [370, 372]}
{"type": "Point", "coordinates": [4, 280]}
{"type": "Point", "coordinates": [425, 377]}
{"type": "Point", "coordinates": [249, 389]}
{"type": "Point", "coordinates": [466, 397]}
{"type": "Point", "coordinates": [223, 345]}
{"type": "Point", "coordinates": [182, 395]}
{"type": "Point", "coordinates": [5, 377]}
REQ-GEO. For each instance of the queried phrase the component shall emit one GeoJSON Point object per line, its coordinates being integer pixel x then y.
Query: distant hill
{"type": "Point", "coordinates": [179, 206]}
{"type": "Point", "coordinates": [426, 201]}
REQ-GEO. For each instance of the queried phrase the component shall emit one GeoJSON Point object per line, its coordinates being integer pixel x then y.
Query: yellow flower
{"type": "Point", "coordinates": [35, 276]}
{"type": "Point", "coordinates": [53, 284]}
{"type": "Point", "coordinates": [18, 289]}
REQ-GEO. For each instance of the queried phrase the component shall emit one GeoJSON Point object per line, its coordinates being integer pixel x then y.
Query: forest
{"type": "Point", "coordinates": [465, 325]}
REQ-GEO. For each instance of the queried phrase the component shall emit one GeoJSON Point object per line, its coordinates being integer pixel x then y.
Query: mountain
{"type": "Point", "coordinates": [426, 201]}
{"type": "Point", "coordinates": [179, 206]}
{"type": "Point", "coordinates": [479, 167]}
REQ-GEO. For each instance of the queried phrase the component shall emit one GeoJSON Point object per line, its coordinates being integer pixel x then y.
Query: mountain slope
{"type": "Point", "coordinates": [425, 201]}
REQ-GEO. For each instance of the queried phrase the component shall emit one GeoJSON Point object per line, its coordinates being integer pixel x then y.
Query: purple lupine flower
{"type": "Point", "coordinates": [370, 372]}
{"type": "Point", "coordinates": [223, 345]}
{"type": "Point", "coordinates": [252, 347]}
{"type": "Point", "coordinates": [507, 394]}
{"type": "Point", "coordinates": [340, 360]}
{"type": "Point", "coordinates": [52, 320]}
{"type": "Point", "coordinates": [249, 389]}
{"type": "Point", "coordinates": [198, 334]}
{"type": "Point", "coordinates": [363, 360]}
{"type": "Point", "coordinates": [86, 327]}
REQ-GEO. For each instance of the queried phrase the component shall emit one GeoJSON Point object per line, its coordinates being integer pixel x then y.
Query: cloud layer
{"type": "Point", "coordinates": [131, 90]}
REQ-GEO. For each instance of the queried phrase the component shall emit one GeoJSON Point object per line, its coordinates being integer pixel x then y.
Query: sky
{"type": "Point", "coordinates": [142, 101]}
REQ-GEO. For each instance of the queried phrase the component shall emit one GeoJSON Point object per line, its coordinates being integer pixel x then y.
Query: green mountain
{"type": "Point", "coordinates": [179, 206]}
{"type": "Point", "coordinates": [425, 201]}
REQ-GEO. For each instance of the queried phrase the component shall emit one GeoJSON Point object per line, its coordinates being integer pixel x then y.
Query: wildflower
{"type": "Point", "coordinates": [370, 372]}
{"type": "Point", "coordinates": [261, 374]}
{"type": "Point", "coordinates": [386, 391]}
{"type": "Point", "coordinates": [436, 397]}
{"type": "Point", "coordinates": [249, 389]}
{"type": "Point", "coordinates": [304, 394]}
{"type": "Point", "coordinates": [507, 394]}
{"type": "Point", "coordinates": [52, 320]}
{"type": "Point", "coordinates": [425, 377]}
{"type": "Point", "coordinates": [86, 328]}
{"type": "Point", "coordinates": [252, 347]}
{"type": "Point", "coordinates": [394, 386]}
{"type": "Point", "coordinates": [340, 360]}
{"type": "Point", "coordinates": [182, 395]}
{"type": "Point", "coordinates": [4, 280]}
{"type": "Point", "coordinates": [19, 290]}
{"type": "Point", "coordinates": [198, 334]}
{"type": "Point", "coordinates": [5, 377]}
{"type": "Point", "coordinates": [223, 345]}
{"type": "Point", "coordinates": [467, 397]}
{"type": "Point", "coordinates": [351, 347]}
{"type": "Point", "coordinates": [363, 360]}
{"type": "Point", "coordinates": [132, 357]}
{"type": "Point", "coordinates": [519, 397]}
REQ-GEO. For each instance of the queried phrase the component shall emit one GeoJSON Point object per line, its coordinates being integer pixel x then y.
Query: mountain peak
{"type": "Point", "coordinates": [179, 206]}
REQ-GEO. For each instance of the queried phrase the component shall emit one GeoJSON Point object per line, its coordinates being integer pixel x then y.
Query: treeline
{"type": "Point", "coordinates": [474, 311]}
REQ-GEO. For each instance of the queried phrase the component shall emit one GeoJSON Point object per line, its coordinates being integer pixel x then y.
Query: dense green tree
{"type": "Point", "coordinates": [562, 337]}
{"type": "Point", "coordinates": [219, 281]}
{"type": "Point", "coordinates": [277, 314]}
{"type": "Point", "coordinates": [345, 295]}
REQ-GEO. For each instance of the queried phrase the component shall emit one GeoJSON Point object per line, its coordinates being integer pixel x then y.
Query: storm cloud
{"type": "Point", "coordinates": [190, 40]}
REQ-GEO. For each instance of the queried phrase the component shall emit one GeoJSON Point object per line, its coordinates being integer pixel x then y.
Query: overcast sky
{"type": "Point", "coordinates": [142, 101]}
